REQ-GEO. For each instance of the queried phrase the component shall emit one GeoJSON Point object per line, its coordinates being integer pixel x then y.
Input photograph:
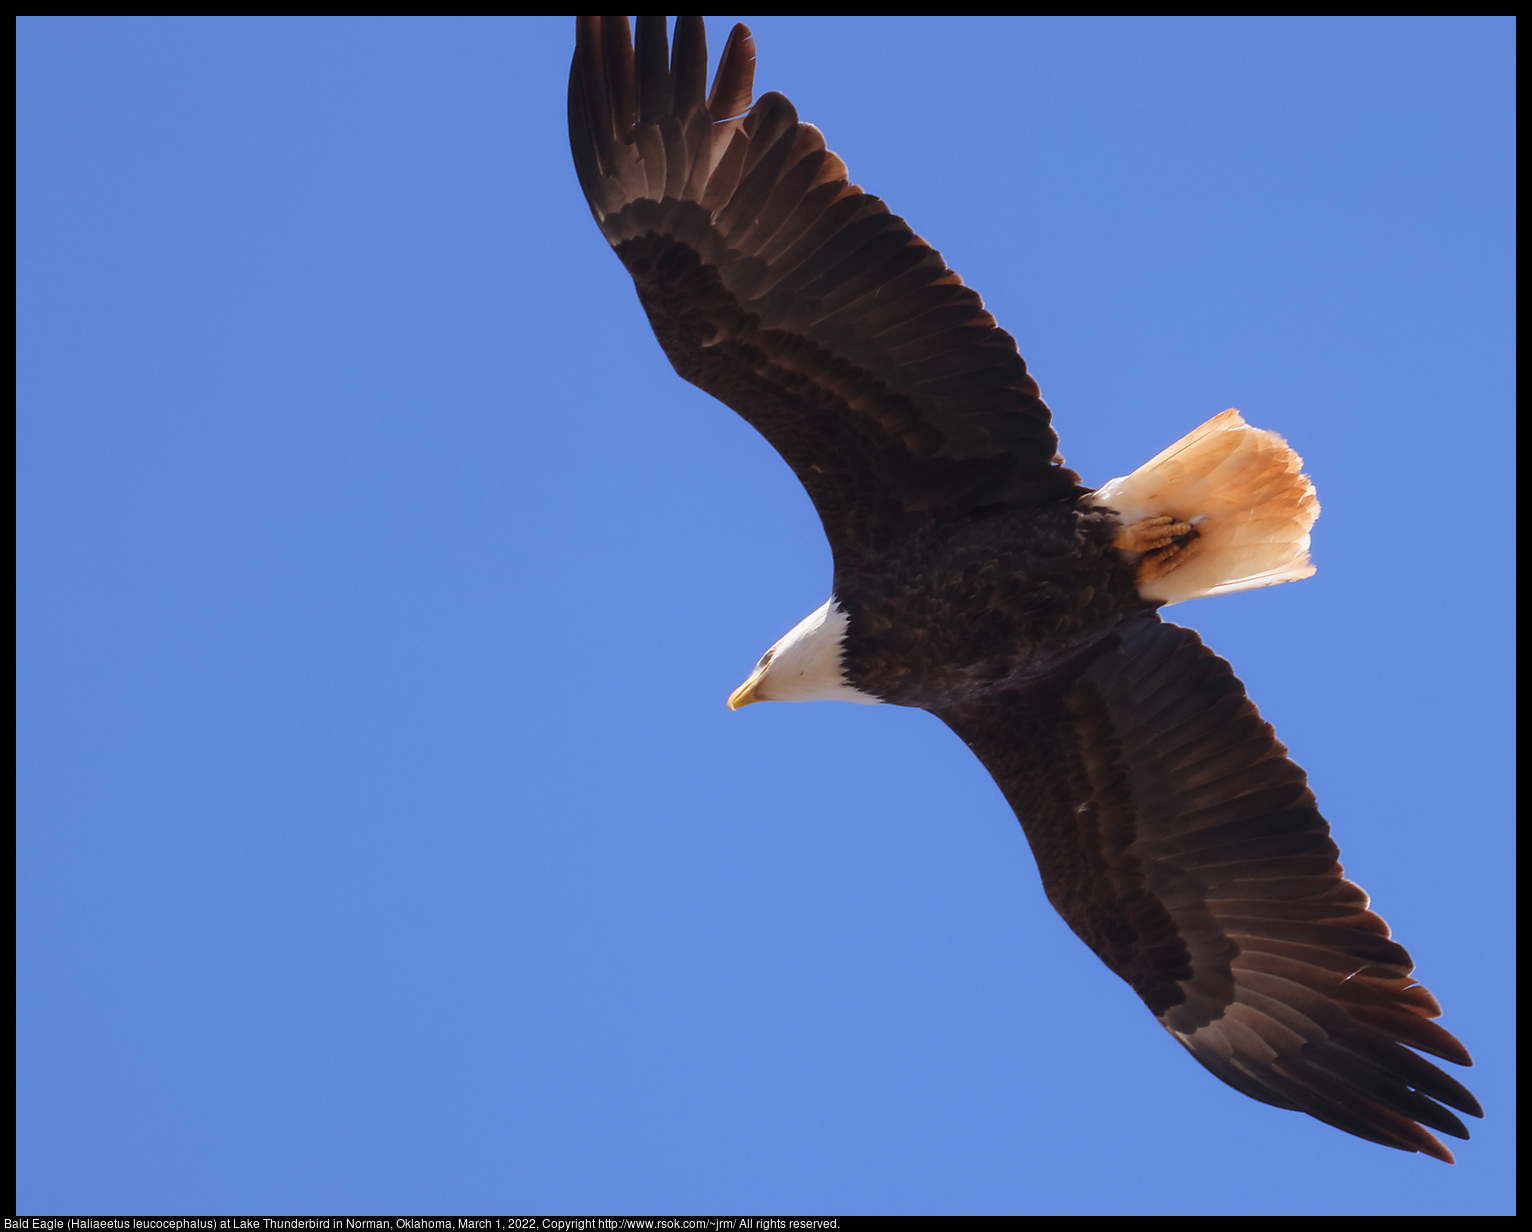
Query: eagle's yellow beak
{"type": "Point", "coordinates": [746, 693]}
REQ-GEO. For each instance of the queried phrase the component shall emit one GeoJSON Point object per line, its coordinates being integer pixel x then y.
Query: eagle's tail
{"type": "Point", "coordinates": [1223, 509]}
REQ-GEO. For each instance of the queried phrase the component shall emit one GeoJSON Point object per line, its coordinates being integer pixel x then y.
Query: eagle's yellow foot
{"type": "Point", "coordinates": [1162, 541]}
{"type": "Point", "coordinates": [1151, 534]}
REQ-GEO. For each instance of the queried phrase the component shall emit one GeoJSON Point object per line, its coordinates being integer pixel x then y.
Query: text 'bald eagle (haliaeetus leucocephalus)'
{"type": "Point", "coordinates": [975, 577]}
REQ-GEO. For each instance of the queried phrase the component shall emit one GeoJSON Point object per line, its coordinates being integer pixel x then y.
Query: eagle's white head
{"type": "Point", "coordinates": [805, 665]}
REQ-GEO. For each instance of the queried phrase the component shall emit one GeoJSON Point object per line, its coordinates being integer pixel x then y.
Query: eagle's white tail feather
{"type": "Point", "coordinates": [1242, 490]}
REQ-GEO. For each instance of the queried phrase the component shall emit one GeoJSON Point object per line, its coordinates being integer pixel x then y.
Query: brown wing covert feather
{"type": "Point", "coordinates": [1179, 841]}
{"type": "Point", "coordinates": [797, 299]}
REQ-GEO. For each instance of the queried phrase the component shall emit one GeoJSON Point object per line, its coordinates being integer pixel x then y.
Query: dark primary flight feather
{"type": "Point", "coordinates": [796, 298]}
{"type": "Point", "coordinates": [1179, 841]}
{"type": "Point", "coordinates": [1171, 830]}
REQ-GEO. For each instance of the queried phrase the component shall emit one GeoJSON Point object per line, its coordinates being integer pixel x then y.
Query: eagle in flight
{"type": "Point", "coordinates": [977, 578]}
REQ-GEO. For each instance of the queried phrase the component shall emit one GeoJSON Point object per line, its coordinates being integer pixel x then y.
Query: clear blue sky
{"type": "Point", "coordinates": [385, 843]}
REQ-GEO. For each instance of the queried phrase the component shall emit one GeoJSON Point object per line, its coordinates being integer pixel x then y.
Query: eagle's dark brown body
{"type": "Point", "coordinates": [1172, 831]}
{"type": "Point", "coordinates": [954, 615]}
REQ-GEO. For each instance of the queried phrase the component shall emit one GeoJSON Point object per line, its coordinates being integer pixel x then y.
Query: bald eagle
{"type": "Point", "coordinates": [976, 577]}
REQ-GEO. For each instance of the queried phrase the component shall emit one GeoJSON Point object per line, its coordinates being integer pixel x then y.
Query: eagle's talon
{"type": "Point", "coordinates": [1153, 534]}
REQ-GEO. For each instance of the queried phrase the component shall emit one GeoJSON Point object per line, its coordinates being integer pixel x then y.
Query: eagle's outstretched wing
{"type": "Point", "coordinates": [1179, 842]}
{"type": "Point", "coordinates": [796, 298]}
